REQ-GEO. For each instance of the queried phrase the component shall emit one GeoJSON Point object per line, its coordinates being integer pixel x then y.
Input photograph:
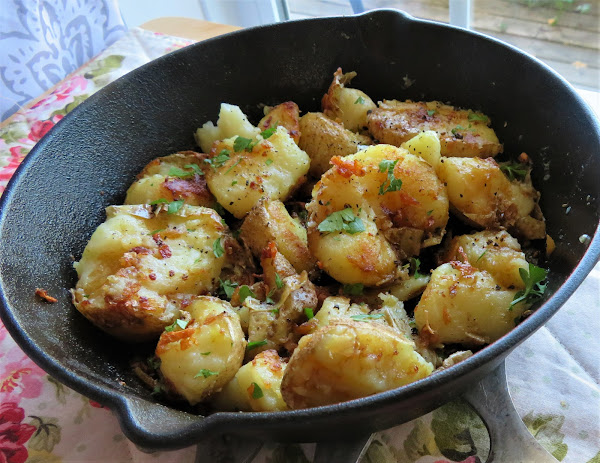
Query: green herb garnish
{"type": "Point", "coordinates": [534, 288]}
{"type": "Point", "coordinates": [415, 263]}
{"type": "Point", "coordinates": [243, 144]}
{"type": "Point", "coordinates": [268, 132]}
{"type": "Point", "coordinates": [366, 316]}
{"type": "Point", "coordinates": [154, 232]}
{"type": "Point", "coordinates": [174, 206]}
{"type": "Point", "coordinates": [391, 183]}
{"type": "Point", "coordinates": [244, 292]}
{"type": "Point", "coordinates": [255, 344]}
{"type": "Point", "coordinates": [269, 162]}
{"type": "Point", "coordinates": [218, 248]}
{"type": "Point", "coordinates": [278, 281]}
{"type": "Point", "coordinates": [227, 287]}
{"type": "Point", "coordinates": [482, 254]}
{"type": "Point", "coordinates": [309, 312]}
{"type": "Point", "coordinates": [478, 117]}
{"type": "Point", "coordinates": [206, 373]}
{"type": "Point", "coordinates": [431, 112]}
{"type": "Point", "coordinates": [257, 392]}
{"type": "Point", "coordinates": [360, 100]}
{"type": "Point", "coordinates": [204, 353]}
{"type": "Point", "coordinates": [159, 201]}
{"type": "Point", "coordinates": [177, 323]}
{"type": "Point", "coordinates": [219, 159]}
{"type": "Point", "coordinates": [342, 221]}
{"type": "Point", "coordinates": [355, 289]}
{"type": "Point", "coordinates": [514, 170]}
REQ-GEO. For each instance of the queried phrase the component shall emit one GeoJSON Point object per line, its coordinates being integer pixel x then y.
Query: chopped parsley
{"type": "Point", "coordinates": [457, 129]}
{"type": "Point", "coordinates": [342, 221]}
{"type": "Point", "coordinates": [514, 170]}
{"type": "Point", "coordinates": [154, 232]}
{"type": "Point", "coordinates": [355, 289]}
{"type": "Point", "coordinates": [278, 281]}
{"type": "Point", "coordinates": [482, 254]}
{"type": "Point", "coordinates": [175, 206]}
{"type": "Point", "coordinates": [205, 353]}
{"type": "Point", "coordinates": [205, 373]}
{"type": "Point", "coordinates": [269, 299]}
{"type": "Point", "coordinates": [159, 201]}
{"type": "Point", "coordinates": [534, 286]}
{"type": "Point", "coordinates": [244, 292]}
{"type": "Point", "coordinates": [269, 162]}
{"type": "Point", "coordinates": [243, 144]}
{"type": "Point", "coordinates": [415, 263]}
{"type": "Point", "coordinates": [177, 172]}
{"type": "Point", "coordinates": [231, 168]}
{"type": "Point", "coordinates": [268, 132]}
{"type": "Point", "coordinates": [366, 316]}
{"type": "Point", "coordinates": [218, 248]}
{"type": "Point", "coordinates": [255, 344]}
{"type": "Point", "coordinates": [234, 182]}
{"type": "Point", "coordinates": [431, 112]}
{"type": "Point", "coordinates": [177, 323]}
{"type": "Point", "coordinates": [257, 392]}
{"type": "Point", "coordinates": [360, 100]}
{"type": "Point", "coordinates": [219, 159]}
{"type": "Point", "coordinates": [391, 183]}
{"type": "Point", "coordinates": [309, 312]}
{"type": "Point", "coordinates": [227, 287]}
{"type": "Point", "coordinates": [478, 117]}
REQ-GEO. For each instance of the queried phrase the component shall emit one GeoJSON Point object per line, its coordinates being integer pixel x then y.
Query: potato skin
{"type": "Point", "coordinates": [142, 264]}
{"type": "Point", "coordinates": [269, 221]}
{"type": "Point", "coordinates": [464, 305]}
{"type": "Point", "coordinates": [493, 251]}
{"type": "Point", "coordinates": [395, 122]}
{"type": "Point", "coordinates": [202, 358]}
{"type": "Point", "coordinates": [482, 195]}
{"type": "Point", "coordinates": [273, 168]}
{"type": "Point", "coordinates": [322, 138]}
{"type": "Point", "coordinates": [346, 105]}
{"type": "Point", "coordinates": [286, 115]}
{"type": "Point", "coordinates": [155, 182]}
{"type": "Point", "coordinates": [265, 370]}
{"type": "Point", "coordinates": [347, 360]}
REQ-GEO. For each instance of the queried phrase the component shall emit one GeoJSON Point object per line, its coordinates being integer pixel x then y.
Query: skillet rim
{"type": "Point", "coordinates": [124, 405]}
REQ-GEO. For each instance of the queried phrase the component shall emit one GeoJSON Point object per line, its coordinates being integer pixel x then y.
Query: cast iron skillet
{"type": "Point", "coordinates": [58, 195]}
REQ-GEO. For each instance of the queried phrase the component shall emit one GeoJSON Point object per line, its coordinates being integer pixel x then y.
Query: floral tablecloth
{"type": "Point", "coordinates": [554, 376]}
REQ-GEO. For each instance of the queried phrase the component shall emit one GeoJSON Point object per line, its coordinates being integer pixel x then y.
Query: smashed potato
{"type": "Point", "coordinates": [347, 360]}
{"type": "Point", "coordinates": [205, 355]}
{"type": "Point", "coordinates": [461, 132]}
{"type": "Point", "coordinates": [143, 264]}
{"type": "Point", "coordinates": [333, 269]}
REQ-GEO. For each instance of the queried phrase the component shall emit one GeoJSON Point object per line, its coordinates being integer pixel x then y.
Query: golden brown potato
{"type": "Point", "coordinates": [286, 115]}
{"type": "Point", "coordinates": [464, 305]}
{"type": "Point", "coordinates": [172, 178]}
{"type": "Point", "coordinates": [143, 264]}
{"type": "Point", "coordinates": [256, 386]}
{"type": "Point", "coordinates": [201, 358]}
{"type": "Point", "coordinates": [347, 105]}
{"type": "Point", "coordinates": [347, 360]}
{"type": "Point", "coordinates": [496, 252]}
{"type": "Point", "coordinates": [322, 138]}
{"type": "Point", "coordinates": [291, 294]}
{"type": "Point", "coordinates": [272, 167]}
{"type": "Point", "coordinates": [483, 196]}
{"type": "Point", "coordinates": [269, 221]}
{"type": "Point", "coordinates": [462, 132]}
{"type": "Point", "coordinates": [397, 220]}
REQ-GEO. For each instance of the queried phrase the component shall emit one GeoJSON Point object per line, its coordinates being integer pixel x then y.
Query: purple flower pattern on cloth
{"type": "Point", "coordinates": [42, 41]}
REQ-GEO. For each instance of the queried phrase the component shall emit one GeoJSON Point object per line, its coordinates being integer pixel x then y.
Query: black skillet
{"type": "Point", "coordinates": [58, 195]}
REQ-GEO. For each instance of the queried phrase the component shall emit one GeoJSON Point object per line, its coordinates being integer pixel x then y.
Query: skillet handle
{"type": "Point", "coordinates": [510, 440]}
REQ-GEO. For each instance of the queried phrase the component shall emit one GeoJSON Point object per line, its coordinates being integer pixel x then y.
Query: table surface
{"type": "Point", "coordinates": [48, 422]}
